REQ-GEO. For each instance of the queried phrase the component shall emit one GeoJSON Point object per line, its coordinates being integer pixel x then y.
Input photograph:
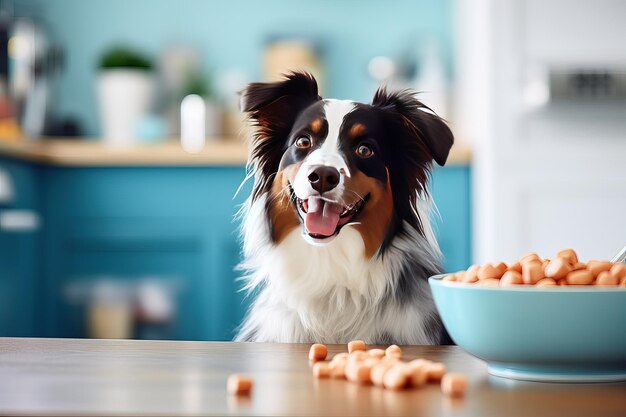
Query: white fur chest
{"type": "Point", "coordinates": [319, 291]}
{"type": "Point", "coordinates": [329, 293]}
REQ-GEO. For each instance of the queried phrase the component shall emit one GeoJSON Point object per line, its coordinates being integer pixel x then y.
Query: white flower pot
{"type": "Point", "coordinates": [125, 97]}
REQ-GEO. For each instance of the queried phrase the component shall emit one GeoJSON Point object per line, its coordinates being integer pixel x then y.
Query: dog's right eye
{"type": "Point", "coordinates": [303, 142]}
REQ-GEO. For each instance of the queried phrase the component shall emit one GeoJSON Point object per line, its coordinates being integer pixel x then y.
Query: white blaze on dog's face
{"type": "Point", "coordinates": [319, 183]}
{"type": "Point", "coordinates": [327, 164]}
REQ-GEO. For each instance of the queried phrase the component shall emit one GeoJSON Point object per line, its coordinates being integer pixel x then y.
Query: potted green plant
{"type": "Point", "coordinates": [125, 93]}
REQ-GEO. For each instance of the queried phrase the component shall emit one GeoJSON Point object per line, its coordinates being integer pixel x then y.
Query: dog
{"type": "Point", "coordinates": [337, 242]}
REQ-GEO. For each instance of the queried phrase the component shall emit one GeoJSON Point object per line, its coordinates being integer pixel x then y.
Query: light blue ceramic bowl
{"type": "Point", "coordinates": [540, 334]}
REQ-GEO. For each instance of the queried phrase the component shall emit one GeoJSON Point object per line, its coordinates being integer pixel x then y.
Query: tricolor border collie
{"type": "Point", "coordinates": [337, 240]}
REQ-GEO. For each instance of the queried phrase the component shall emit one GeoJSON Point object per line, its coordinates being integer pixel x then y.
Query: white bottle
{"type": "Point", "coordinates": [193, 123]}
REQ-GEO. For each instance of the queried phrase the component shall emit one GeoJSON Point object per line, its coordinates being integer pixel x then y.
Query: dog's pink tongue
{"type": "Point", "coordinates": [322, 217]}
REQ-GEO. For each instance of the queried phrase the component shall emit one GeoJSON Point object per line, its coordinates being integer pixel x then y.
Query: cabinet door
{"type": "Point", "coordinates": [19, 250]}
{"type": "Point", "coordinates": [451, 192]}
{"type": "Point", "coordinates": [168, 224]}
{"type": "Point", "coordinates": [229, 303]}
{"type": "Point", "coordinates": [193, 258]}
{"type": "Point", "coordinates": [17, 260]}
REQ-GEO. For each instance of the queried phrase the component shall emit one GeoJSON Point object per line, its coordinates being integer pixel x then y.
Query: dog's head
{"type": "Point", "coordinates": [326, 164]}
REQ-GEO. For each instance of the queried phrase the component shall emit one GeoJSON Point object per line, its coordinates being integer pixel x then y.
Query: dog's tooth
{"type": "Point", "coordinates": [315, 204]}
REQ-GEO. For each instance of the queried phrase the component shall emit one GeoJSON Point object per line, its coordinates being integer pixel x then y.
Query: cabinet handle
{"type": "Point", "coordinates": [19, 221]}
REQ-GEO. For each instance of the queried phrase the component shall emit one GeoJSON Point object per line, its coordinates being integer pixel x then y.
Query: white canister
{"type": "Point", "coordinates": [125, 96]}
{"type": "Point", "coordinates": [193, 123]}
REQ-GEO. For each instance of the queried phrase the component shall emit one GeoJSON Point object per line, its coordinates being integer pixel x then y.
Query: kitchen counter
{"type": "Point", "coordinates": [115, 377]}
{"type": "Point", "coordinates": [82, 153]}
{"type": "Point", "coordinates": [86, 153]}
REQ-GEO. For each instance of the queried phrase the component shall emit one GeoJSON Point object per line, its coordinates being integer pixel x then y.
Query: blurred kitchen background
{"type": "Point", "coordinates": [122, 147]}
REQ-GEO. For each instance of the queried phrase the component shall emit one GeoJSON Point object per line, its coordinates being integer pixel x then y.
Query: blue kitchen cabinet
{"type": "Point", "coordinates": [173, 225]}
{"type": "Point", "coordinates": [18, 254]}
{"type": "Point", "coordinates": [451, 193]}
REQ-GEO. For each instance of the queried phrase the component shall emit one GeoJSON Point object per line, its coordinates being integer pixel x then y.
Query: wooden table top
{"type": "Point", "coordinates": [113, 377]}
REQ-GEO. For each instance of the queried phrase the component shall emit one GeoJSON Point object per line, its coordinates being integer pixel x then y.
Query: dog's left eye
{"type": "Point", "coordinates": [303, 142]}
{"type": "Point", "coordinates": [364, 151]}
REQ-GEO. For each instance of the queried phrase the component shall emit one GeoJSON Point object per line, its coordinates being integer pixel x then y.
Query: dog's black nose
{"type": "Point", "coordinates": [323, 178]}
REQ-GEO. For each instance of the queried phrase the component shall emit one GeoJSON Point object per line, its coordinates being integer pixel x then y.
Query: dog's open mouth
{"type": "Point", "coordinates": [322, 218]}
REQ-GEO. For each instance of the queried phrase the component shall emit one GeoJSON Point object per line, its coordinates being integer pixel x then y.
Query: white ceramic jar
{"type": "Point", "coordinates": [125, 96]}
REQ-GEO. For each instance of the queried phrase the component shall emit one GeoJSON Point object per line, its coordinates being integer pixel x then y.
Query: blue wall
{"type": "Point", "coordinates": [230, 35]}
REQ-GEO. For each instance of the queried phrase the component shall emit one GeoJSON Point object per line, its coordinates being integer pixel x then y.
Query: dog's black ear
{"type": "Point", "coordinates": [415, 137]}
{"type": "Point", "coordinates": [420, 121]}
{"type": "Point", "coordinates": [298, 88]}
{"type": "Point", "coordinates": [273, 109]}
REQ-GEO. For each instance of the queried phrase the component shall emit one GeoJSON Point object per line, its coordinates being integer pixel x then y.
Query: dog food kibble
{"type": "Point", "coordinates": [529, 258]}
{"type": "Point", "coordinates": [396, 377]}
{"type": "Point", "coordinates": [337, 369]}
{"type": "Point", "coordinates": [382, 368]}
{"type": "Point", "coordinates": [606, 278]}
{"type": "Point", "coordinates": [619, 270]}
{"type": "Point", "coordinates": [454, 384]}
{"type": "Point", "coordinates": [532, 272]}
{"type": "Point", "coordinates": [546, 282]}
{"type": "Point", "coordinates": [318, 352]}
{"type": "Point", "coordinates": [378, 371]}
{"type": "Point", "coordinates": [489, 282]}
{"type": "Point", "coordinates": [598, 266]}
{"type": "Point", "coordinates": [418, 373]}
{"type": "Point", "coordinates": [341, 356]}
{"type": "Point", "coordinates": [569, 255]}
{"type": "Point", "coordinates": [358, 372]}
{"type": "Point", "coordinates": [321, 370]}
{"type": "Point", "coordinates": [557, 268]}
{"type": "Point", "coordinates": [500, 267]}
{"type": "Point", "coordinates": [376, 353]}
{"type": "Point", "coordinates": [563, 270]}
{"type": "Point", "coordinates": [515, 266]}
{"type": "Point", "coordinates": [491, 271]}
{"type": "Point", "coordinates": [511, 278]}
{"type": "Point", "coordinates": [357, 356]}
{"type": "Point", "coordinates": [419, 363]}
{"type": "Point", "coordinates": [370, 361]}
{"type": "Point", "coordinates": [580, 277]}
{"type": "Point", "coordinates": [393, 351]}
{"type": "Point", "coordinates": [435, 371]}
{"type": "Point", "coordinates": [239, 385]}
{"type": "Point", "coordinates": [471, 275]}
{"type": "Point", "coordinates": [356, 345]}
{"type": "Point", "coordinates": [391, 359]}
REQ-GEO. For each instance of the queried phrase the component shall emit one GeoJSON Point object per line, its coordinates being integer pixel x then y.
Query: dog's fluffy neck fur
{"type": "Point", "coordinates": [332, 294]}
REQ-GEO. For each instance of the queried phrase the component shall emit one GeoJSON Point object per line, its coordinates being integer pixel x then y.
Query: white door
{"type": "Point", "coordinates": [549, 171]}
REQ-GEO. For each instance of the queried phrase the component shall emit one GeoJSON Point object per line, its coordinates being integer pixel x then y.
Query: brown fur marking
{"type": "Point", "coordinates": [316, 125]}
{"type": "Point", "coordinates": [374, 218]}
{"type": "Point", "coordinates": [282, 213]}
{"type": "Point", "coordinates": [356, 130]}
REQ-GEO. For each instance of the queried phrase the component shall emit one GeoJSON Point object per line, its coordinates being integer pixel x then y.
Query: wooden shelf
{"type": "Point", "coordinates": [85, 153]}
